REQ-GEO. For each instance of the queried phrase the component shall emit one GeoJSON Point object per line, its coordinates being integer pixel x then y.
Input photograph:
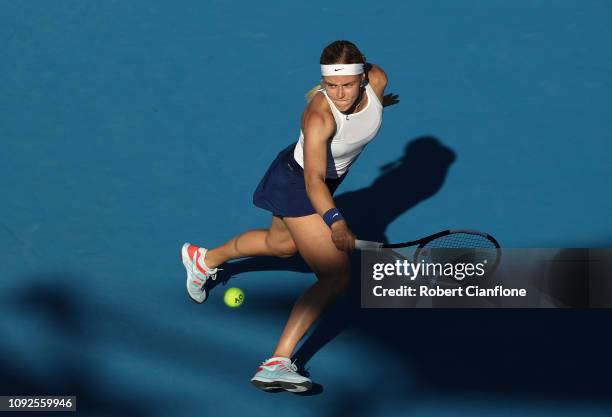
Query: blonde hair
{"type": "Point", "coordinates": [312, 92]}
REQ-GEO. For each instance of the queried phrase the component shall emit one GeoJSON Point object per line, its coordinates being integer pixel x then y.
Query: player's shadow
{"type": "Point", "coordinates": [543, 354]}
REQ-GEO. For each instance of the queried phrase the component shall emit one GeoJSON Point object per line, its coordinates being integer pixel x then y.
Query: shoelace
{"type": "Point", "coordinates": [214, 275]}
{"type": "Point", "coordinates": [292, 367]}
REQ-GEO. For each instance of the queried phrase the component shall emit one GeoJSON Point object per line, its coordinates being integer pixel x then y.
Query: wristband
{"type": "Point", "coordinates": [331, 216]}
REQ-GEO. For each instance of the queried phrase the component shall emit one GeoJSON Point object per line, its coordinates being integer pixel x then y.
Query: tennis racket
{"type": "Point", "coordinates": [463, 245]}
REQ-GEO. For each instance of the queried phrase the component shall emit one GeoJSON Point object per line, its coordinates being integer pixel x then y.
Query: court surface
{"type": "Point", "coordinates": [128, 128]}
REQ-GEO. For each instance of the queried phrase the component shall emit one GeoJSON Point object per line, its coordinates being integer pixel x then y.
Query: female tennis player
{"type": "Point", "coordinates": [343, 114]}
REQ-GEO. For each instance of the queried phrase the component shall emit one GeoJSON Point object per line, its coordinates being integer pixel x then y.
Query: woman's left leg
{"type": "Point", "coordinates": [332, 268]}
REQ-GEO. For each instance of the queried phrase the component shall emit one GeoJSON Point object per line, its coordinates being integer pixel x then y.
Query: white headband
{"type": "Point", "coordinates": [342, 69]}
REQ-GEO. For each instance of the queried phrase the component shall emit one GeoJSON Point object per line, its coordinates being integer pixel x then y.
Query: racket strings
{"type": "Point", "coordinates": [460, 241]}
{"type": "Point", "coordinates": [462, 248]}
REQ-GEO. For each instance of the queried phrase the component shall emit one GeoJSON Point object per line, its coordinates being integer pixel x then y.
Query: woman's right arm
{"type": "Point", "coordinates": [318, 127]}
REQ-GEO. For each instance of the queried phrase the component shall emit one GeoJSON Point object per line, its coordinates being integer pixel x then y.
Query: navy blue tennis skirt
{"type": "Point", "coordinates": [282, 190]}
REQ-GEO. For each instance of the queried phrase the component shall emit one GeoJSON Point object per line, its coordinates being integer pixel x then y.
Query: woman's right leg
{"type": "Point", "coordinates": [275, 241]}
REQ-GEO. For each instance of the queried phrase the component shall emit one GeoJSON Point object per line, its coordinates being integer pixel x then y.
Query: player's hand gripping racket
{"type": "Point", "coordinates": [470, 245]}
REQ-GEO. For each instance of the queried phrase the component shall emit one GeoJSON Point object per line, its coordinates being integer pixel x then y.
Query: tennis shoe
{"type": "Point", "coordinates": [279, 373]}
{"type": "Point", "coordinates": [197, 271]}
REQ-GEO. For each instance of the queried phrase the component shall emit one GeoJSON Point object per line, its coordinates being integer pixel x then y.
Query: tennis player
{"type": "Point", "coordinates": [343, 115]}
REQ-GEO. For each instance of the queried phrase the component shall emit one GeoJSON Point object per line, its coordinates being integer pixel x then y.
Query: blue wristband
{"type": "Point", "coordinates": [331, 216]}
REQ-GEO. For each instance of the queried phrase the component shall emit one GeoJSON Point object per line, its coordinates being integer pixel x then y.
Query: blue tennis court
{"type": "Point", "coordinates": [128, 128]}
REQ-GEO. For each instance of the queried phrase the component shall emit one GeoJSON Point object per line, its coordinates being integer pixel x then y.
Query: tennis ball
{"type": "Point", "coordinates": [234, 297]}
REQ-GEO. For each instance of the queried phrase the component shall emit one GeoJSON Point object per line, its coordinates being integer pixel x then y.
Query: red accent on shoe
{"type": "Point", "coordinates": [191, 249]}
{"type": "Point", "coordinates": [273, 363]}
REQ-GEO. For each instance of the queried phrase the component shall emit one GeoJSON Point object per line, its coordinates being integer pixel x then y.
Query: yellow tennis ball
{"type": "Point", "coordinates": [234, 297]}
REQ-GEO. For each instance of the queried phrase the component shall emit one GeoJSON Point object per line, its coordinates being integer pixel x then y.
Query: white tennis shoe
{"type": "Point", "coordinates": [197, 271]}
{"type": "Point", "coordinates": [280, 373]}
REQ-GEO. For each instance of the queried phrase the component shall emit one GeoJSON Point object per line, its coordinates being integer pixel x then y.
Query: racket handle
{"type": "Point", "coordinates": [366, 244]}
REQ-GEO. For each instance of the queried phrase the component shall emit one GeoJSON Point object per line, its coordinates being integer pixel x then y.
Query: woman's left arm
{"type": "Point", "coordinates": [378, 80]}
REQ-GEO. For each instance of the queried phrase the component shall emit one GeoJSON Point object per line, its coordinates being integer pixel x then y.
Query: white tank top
{"type": "Point", "coordinates": [352, 135]}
